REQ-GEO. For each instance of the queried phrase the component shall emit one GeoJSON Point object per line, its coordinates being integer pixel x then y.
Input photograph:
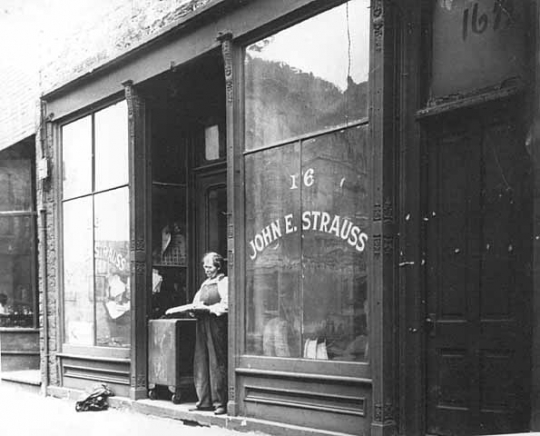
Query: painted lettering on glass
{"type": "Point", "coordinates": [312, 220]}
{"type": "Point", "coordinates": [309, 179]}
{"type": "Point", "coordinates": [474, 20]}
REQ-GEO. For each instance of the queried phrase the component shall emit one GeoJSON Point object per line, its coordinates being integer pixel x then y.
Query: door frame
{"type": "Point", "coordinates": [412, 65]}
{"type": "Point", "coordinates": [412, 246]}
{"type": "Point", "coordinates": [204, 176]}
{"type": "Point", "coordinates": [477, 122]}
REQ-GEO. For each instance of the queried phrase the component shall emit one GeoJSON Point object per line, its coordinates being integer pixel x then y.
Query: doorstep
{"type": "Point", "coordinates": [167, 409]}
{"type": "Point", "coordinates": [28, 380]}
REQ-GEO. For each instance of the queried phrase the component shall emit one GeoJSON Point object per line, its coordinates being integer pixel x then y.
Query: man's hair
{"type": "Point", "coordinates": [217, 259]}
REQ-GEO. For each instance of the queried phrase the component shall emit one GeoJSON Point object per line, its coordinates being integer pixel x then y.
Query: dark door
{"type": "Point", "coordinates": [478, 258]}
{"type": "Point", "coordinates": [210, 214]}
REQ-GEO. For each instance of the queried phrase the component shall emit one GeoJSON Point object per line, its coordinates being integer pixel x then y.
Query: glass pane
{"type": "Point", "coordinates": [112, 268]}
{"type": "Point", "coordinates": [111, 144]}
{"type": "Point", "coordinates": [211, 142]}
{"type": "Point", "coordinates": [306, 233]}
{"type": "Point", "coordinates": [16, 278]}
{"type": "Point", "coordinates": [16, 183]}
{"type": "Point", "coordinates": [308, 77]}
{"type": "Point", "coordinates": [78, 272]}
{"type": "Point", "coordinates": [273, 236]}
{"type": "Point", "coordinates": [77, 157]}
{"type": "Point", "coordinates": [334, 240]}
{"type": "Point", "coordinates": [477, 44]}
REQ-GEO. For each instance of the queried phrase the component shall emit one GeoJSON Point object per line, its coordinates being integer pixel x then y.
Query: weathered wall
{"type": "Point", "coordinates": [48, 43]}
{"type": "Point", "coordinates": [83, 35]}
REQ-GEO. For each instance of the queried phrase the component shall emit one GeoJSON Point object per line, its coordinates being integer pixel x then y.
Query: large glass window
{"type": "Point", "coordinates": [308, 77]}
{"type": "Point", "coordinates": [17, 238]}
{"type": "Point", "coordinates": [307, 203]}
{"type": "Point", "coordinates": [96, 229]}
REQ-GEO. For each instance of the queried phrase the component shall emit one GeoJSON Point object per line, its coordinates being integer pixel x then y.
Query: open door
{"type": "Point", "coordinates": [478, 284]}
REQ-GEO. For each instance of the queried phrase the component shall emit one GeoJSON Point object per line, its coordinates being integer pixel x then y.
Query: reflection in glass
{"type": "Point", "coordinates": [77, 157]}
{"type": "Point", "coordinates": [16, 183]}
{"type": "Point", "coordinates": [308, 77]}
{"type": "Point", "coordinates": [111, 250]}
{"type": "Point", "coordinates": [273, 248]}
{"type": "Point", "coordinates": [335, 219]}
{"type": "Point", "coordinates": [306, 237]}
{"type": "Point", "coordinates": [78, 272]}
{"type": "Point", "coordinates": [111, 143]}
{"type": "Point", "coordinates": [16, 286]}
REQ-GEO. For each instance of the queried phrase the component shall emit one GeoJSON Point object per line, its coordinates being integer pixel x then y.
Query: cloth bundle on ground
{"type": "Point", "coordinates": [96, 399]}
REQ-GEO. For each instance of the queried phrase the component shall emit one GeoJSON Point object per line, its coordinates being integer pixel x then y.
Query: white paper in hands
{"type": "Point", "coordinates": [187, 308]}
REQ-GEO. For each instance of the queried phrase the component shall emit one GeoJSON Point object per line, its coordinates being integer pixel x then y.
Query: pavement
{"type": "Point", "coordinates": [25, 413]}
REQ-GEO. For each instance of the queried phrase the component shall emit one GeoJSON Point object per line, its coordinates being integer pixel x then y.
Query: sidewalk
{"type": "Point", "coordinates": [25, 414]}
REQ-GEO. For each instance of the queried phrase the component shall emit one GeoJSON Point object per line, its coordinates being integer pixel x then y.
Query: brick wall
{"type": "Point", "coordinates": [18, 75]}
{"type": "Point", "coordinates": [80, 36]}
{"type": "Point", "coordinates": [48, 43]}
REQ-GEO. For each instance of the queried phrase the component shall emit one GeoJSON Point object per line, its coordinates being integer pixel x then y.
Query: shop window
{"type": "Point", "coordinates": [17, 306]}
{"type": "Point", "coordinates": [308, 77]}
{"type": "Point", "coordinates": [307, 204]}
{"type": "Point", "coordinates": [17, 238]}
{"type": "Point", "coordinates": [96, 229]}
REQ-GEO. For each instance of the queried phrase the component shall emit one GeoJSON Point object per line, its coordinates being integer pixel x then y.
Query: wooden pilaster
{"type": "Point", "coordinates": [139, 231]}
{"type": "Point", "coordinates": [384, 200]}
{"type": "Point", "coordinates": [235, 206]}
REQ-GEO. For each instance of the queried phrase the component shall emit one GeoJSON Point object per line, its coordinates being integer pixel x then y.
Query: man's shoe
{"type": "Point", "coordinates": [202, 409]}
{"type": "Point", "coordinates": [220, 411]}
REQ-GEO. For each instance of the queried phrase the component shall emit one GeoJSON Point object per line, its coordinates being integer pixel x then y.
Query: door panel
{"type": "Point", "coordinates": [478, 225]}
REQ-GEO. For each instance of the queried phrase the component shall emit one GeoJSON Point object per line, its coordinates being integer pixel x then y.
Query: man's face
{"type": "Point", "coordinates": [209, 268]}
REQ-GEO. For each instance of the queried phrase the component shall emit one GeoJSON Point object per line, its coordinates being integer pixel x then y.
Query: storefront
{"type": "Point", "coordinates": [365, 168]}
{"type": "Point", "coordinates": [19, 334]}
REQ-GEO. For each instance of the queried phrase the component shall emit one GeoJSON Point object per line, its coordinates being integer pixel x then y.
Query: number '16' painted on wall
{"type": "Point", "coordinates": [502, 10]}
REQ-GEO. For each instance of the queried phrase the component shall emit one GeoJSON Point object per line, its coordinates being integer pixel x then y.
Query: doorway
{"type": "Point", "coordinates": [478, 224]}
{"type": "Point", "coordinates": [186, 116]}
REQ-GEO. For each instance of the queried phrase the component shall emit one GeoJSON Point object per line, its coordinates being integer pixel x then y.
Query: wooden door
{"type": "Point", "coordinates": [478, 285]}
{"type": "Point", "coordinates": [210, 215]}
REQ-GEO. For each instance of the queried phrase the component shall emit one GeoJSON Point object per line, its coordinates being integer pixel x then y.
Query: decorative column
{"type": "Point", "coordinates": [139, 231]}
{"type": "Point", "coordinates": [235, 206]}
{"type": "Point", "coordinates": [383, 193]}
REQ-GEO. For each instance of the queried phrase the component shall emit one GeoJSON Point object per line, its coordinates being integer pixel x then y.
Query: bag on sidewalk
{"type": "Point", "coordinates": [95, 400]}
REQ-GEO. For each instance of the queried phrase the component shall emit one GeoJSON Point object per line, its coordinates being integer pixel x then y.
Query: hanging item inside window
{"type": "Point", "coordinates": [173, 245]}
{"type": "Point", "coordinates": [118, 299]}
{"type": "Point", "coordinates": [315, 349]}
